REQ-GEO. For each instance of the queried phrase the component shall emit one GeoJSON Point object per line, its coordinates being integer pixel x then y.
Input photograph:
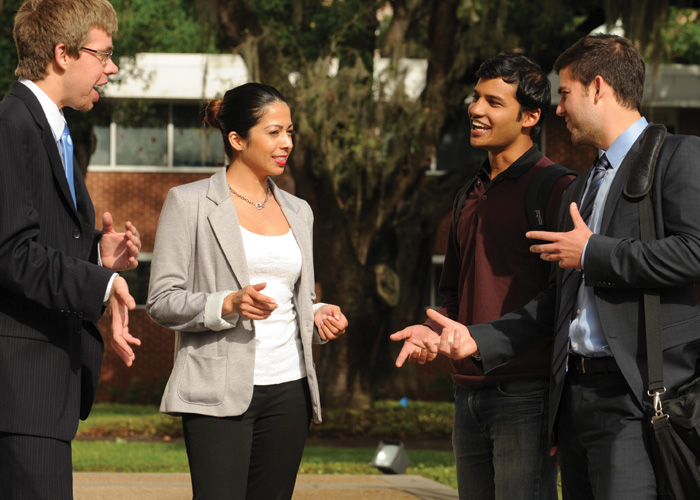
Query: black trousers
{"type": "Point", "coordinates": [35, 468]}
{"type": "Point", "coordinates": [604, 440]}
{"type": "Point", "coordinates": [254, 456]}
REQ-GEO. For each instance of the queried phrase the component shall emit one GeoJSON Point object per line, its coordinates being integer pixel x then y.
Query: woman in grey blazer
{"type": "Point", "coordinates": [232, 275]}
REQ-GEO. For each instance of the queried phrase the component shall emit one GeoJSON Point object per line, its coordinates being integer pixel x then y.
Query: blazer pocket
{"type": "Point", "coordinates": [203, 380]}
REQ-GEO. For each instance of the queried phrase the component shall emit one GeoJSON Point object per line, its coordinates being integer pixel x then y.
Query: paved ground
{"type": "Point", "coordinates": [116, 486]}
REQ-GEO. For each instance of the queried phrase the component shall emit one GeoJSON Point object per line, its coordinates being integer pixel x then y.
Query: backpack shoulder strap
{"type": "Point", "coordinates": [538, 193]}
{"type": "Point", "coordinates": [460, 199]}
{"type": "Point", "coordinates": [641, 175]}
{"type": "Point", "coordinates": [638, 186]}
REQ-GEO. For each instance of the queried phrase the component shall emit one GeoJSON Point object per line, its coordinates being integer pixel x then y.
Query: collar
{"type": "Point", "coordinates": [618, 149]}
{"type": "Point", "coordinates": [517, 168]}
{"type": "Point", "coordinates": [54, 116]}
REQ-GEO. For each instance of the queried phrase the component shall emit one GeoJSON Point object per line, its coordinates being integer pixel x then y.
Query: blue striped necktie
{"type": "Point", "coordinates": [571, 280]}
{"type": "Point", "coordinates": [67, 145]}
{"type": "Point", "coordinates": [596, 180]}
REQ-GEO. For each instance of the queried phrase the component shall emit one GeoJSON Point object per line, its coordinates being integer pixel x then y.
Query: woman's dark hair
{"type": "Point", "coordinates": [240, 110]}
{"type": "Point", "coordinates": [533, 90]}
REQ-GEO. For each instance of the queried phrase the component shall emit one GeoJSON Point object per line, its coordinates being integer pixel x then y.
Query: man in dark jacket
{"type": "Point", "coordinates": [500, 436]}
{"type": "Point", "coordinates": [57, 273]}
{"type": "Point", "coordinates": [594, 305]}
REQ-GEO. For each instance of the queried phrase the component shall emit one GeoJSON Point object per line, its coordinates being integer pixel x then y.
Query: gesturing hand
{"type": "Point", "coordinates": [566, 248]}
{"type": "Point", "coordinates": [417, 339]}
{"type": "Point", "coordinates": [119, 251]}
{"type": "Point", "coordinates": [120, 303]}
{"type": "Point", "coordinates": [330, 321]}
{"type": "Point", "coordinates": [455, 341]}
{"type": "Point", "coordinates": [249, 302]}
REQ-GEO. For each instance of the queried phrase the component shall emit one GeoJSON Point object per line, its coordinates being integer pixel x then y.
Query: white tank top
{"type": "Point", "coordinates": [276, 260]}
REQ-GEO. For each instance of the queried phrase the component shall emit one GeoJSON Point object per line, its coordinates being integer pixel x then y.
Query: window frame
{"type": "Point", "coordinates": [170, 168]}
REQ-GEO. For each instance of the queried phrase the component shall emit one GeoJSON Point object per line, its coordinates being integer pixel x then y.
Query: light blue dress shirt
{"type": "Point", "coordinates": [586, 332]}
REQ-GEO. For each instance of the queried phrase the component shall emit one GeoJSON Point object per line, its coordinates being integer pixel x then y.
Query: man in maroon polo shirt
{"type": "Point", "coordinates": [500, 430]}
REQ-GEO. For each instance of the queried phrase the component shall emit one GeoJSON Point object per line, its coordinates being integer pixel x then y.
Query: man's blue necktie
{"type": "Point", "coordinates": [571, 280]}
{"type": "Point", "coordinates": [67, 145]}
{"type": "Point", "coordinates": [599, 170]}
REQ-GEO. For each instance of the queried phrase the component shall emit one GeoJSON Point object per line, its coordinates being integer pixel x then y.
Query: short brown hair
{"type": "Point", "coordinates": [40, 25]}
{"type": "Point", "coordinates": [614, 58]}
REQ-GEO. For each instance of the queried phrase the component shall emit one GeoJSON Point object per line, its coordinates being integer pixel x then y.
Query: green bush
{"type": "Point", "coordinates": [386, 420]}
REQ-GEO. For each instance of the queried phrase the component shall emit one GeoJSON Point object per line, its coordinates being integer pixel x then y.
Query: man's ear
{"type": "Point", "coordinates": [61, 56]}
{"type": "Point", "coordinates": [531, 118]}
{"type": "Point", "coordinates": [600, 86]}
{"type": "Point", "coordinates": [236, 141]}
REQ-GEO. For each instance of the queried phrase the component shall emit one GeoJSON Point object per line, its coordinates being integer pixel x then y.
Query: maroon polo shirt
{"type": "Point", "coordinates": [489, 269]}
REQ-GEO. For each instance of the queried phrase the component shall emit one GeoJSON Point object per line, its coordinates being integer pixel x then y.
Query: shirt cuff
{"type": "Point", "coordinates": [583, 253]}
{"type": "Point", "coordinates": [109, 288]}
{"type": "Point", "coordinates": [212, 312]}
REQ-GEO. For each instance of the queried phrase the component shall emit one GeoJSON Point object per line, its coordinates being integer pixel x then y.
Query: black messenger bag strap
{"type": "Point", "coordinates": [638, 186]}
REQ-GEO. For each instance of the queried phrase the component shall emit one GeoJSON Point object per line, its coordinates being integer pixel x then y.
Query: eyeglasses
{"type": "Point", "coordinates": [103, 57]}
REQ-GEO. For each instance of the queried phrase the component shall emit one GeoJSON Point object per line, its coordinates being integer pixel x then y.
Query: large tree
{"type": "Point", "coordinates": [361, 154]}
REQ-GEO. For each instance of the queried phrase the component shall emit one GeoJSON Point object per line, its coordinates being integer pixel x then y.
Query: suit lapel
{"type": "Point", "coordinates": [302, 235]}
{"type": "Point", "coordinates": [226, 227]}
{"type": "Point", "coordinates": [21, 91]}
{"type": "Point", "coordinates": [300, 228]}
{"type": "Point", "coordinates": [81, 193]}
{"type": "Point", "coordinates": [574, 194]}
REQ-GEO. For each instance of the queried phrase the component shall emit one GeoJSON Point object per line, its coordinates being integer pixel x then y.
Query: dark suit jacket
{"type": "Point", "coordinates": [619, 266]}
{"type": "Point", "coordinates": [51, 289]}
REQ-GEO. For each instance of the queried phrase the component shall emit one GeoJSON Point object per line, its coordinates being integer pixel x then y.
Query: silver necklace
{"type": "Point", "coordinates": [257, 205]}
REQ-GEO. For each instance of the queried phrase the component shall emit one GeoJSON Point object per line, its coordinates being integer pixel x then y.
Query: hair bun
{"type": "Point", "coordinates": [211, 112]}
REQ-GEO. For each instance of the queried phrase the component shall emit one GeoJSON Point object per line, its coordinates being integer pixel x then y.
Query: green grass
{"type": "Point", "coordinates": [120, 455]}
{"type": "Point", "coordinates": [134, 438]}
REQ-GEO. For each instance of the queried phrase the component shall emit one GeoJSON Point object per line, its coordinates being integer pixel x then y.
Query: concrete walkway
{"type": "Point", "coordinates": [123, 486]}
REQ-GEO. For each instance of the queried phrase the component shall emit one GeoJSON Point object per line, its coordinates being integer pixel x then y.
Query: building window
{"type": "Point", "coordinates": [142, 139]}
{"type": "Point", "coordinates": [193, 145]}
{"type": "Point", "coordinates": [143, 135]}
{"type": "Point", "coordinates": [102, 150]}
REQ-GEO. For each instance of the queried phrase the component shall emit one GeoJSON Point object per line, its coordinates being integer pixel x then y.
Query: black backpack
{"type": "Point", "coordinates": [536, 197]}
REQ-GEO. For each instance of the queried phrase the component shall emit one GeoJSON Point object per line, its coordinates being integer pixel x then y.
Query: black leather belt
{"type": "Point", "coordinates": [583, 365]}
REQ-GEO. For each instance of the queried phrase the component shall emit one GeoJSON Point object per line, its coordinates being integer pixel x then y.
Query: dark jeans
{"type": "Point", "coordinates": [35, 468]}
{"type": "Point", "coordinates": [254, 456]}
{"type": "Point", "coordinates": [500, 442]}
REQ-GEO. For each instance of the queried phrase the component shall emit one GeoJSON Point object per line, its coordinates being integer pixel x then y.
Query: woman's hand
{"type": "Point", "coordinates": [330, 321]}
{"type": "Point", "coordinates": [249, 302]}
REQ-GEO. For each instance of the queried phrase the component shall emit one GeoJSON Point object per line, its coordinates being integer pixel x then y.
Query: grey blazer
{"type": "Point", "coordinates": [198, 251]}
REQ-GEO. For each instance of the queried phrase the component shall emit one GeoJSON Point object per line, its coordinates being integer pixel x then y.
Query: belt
{"type": "Point", "coordinates": [583, 365]}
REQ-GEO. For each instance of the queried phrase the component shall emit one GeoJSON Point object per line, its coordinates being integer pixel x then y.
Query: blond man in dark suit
{"type": "Point", "coordinates": [57, 273]}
